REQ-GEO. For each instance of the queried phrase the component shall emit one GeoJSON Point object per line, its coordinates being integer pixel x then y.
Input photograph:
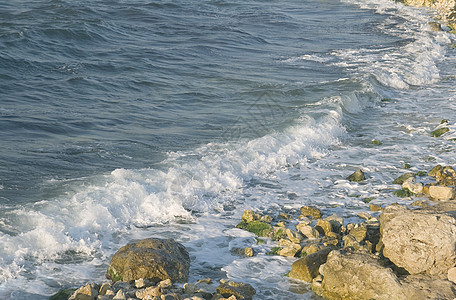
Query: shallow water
{"type": "Point", "coordinates": [122, 120]}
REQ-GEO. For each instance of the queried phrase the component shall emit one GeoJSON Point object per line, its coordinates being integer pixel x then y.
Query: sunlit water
{"type": "Point", "coordinates": [121, 120]}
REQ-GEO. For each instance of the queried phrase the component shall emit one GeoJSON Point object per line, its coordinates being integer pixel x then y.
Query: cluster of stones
{"type": "Point", "coordinates": [149, 270]}
{"type": "Point", "coordinates": [443, 189]}
{"type": "Point", "coordinates": [446, 9]}
{"type": "Point", "coordinates": [404, 253]}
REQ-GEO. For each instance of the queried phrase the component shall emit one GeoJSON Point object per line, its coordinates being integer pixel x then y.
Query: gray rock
{"type": "Point", "coordinates": [419, 240]}
{"type": "Point", "coordinates": [154, 259]}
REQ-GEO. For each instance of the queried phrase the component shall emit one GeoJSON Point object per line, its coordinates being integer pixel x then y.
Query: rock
{"type": "Point", "coordinates": [440, 131]}
{"type": "Point", "coordinates": [364, 215]}
{"type": "Point", "coordinates": [442, 192]}
{"type": "Point", "coordinates": [359, 232]}
{"type": "Point", "coordinates": [419, 240]}
{"type": "Point", "coordinates": [104, 288]}
{"type": "Point", "coordinates": [359, 275]}
{"type": "Point", "coordinates": [309, 249]}
{"type": "Point", "coordinates": [153, 291]}
{"type": "Point", "coordinates": [445, 176]}
{"type": "Point", "coordinates": [308, 231]}
{"type": "Point", "coordinates": [153, 258]}
{"type": "Point", "coordinates": [62, 294]}
{"type": "Point", "coordinates": [375, 207]}
{"type": "Point", "coordinates": [248, 216]}
{"type": "Point", "coordinates": [451, 275]}
{"type": "Point", "coordinates": [248, 251]}
{"type": "Point", "coordinates": [238, 289]}
{"type": "Point", "coordinates": [357, 176]}
{"type": "Point", "coordinates": [423, 287]}
{"type": "Point", "coordinates": [416, 188]}
{"type": "Point", "coordinates": [259, 228]}
{"type": "Point", "coordinates": [294, 236]}
{"type": "Point", "coordinates": [402, 178]}
{"type": "Point", "coordinates": [323, 227]}
{"type": "Point", "coordinates": [87, 292]}
{"type": "Point", "coordinates": [351, 242]}
{"type": "Point", "coordinates": [309, 211]}
{"type": "Point", "coordinates": [435, 170]}
{"type": "Point", "coordinates": [120, 295]}
{"type": "Point", "coordinates": [289, 251]}
{"type": "Point", "coordinates": [363, 276]}
{"type": "Point", "coordinates": [435, 26]}
{"type": "Point", "coordinates": [306, 268]}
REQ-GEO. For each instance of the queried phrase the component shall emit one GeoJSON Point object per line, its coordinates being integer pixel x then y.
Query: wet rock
{"type": "Point", "coordinates": [151, 259]}
{"type": "Point", "coordinates": [445, 176]}
{"type": "Point", "coordinates": [62, 294]}
{"type": "Point", "coordinates": [412, 186]}
{"type": "Point", "coordinates": [419, 240]}
{"type": "Point", "coordinates": [440, 131]}
{"type": "Point", "coordinates": [357, 176]}
{"type": "Point", "coordinates": [375, 207]}
{"type": "Point", "coordinates": [248, 216]}
{"type": "Point", "coordinates": [238, 289]}
{"type": "Point", "coordinates": [87, 292]}
{"type": "Point", "coordinates": [402, 178]}
{"type": "Point", "coordinates": [435, 26]}
{"type": "Point", "coordinates": [290, 250]}
{"type": "Point", "coordinates": [309, 211]}
{"type": "Point", "coordinates": [306, 268]}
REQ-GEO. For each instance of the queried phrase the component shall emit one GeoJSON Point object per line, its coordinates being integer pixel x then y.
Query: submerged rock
{"type": "Point", "coordinates": [357, 176]}
{"type": "Point", "coordinates": [153, 258]}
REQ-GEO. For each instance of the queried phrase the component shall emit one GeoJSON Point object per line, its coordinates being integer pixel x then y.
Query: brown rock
{"type": "Point", "coordinates": [306, 268]}
{"type": "Point", "coordinates": [309, 211]}
{"type": "Point", "coordinates": [238, 289]}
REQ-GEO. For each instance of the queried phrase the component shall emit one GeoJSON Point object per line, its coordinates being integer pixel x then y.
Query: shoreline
{"type": "Point", "coordinates": [323, 246]}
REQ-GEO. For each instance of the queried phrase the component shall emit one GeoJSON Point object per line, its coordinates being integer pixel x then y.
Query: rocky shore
{"type": "Point", "coordinates": [396, 252]}
{"type": "Point", "coordinates": [446, 11]}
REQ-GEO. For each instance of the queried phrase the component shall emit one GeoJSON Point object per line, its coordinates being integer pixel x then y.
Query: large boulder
{"type": "Point", "coordinates": [153, 258]}
{"type": "Point", "coordinates": [359, 275]}
{"type": "Point", "coordinates": [420, 241]}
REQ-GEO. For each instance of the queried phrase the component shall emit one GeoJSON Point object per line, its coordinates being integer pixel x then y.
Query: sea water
{"type": "Point", "coordinates": [122, 120]}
